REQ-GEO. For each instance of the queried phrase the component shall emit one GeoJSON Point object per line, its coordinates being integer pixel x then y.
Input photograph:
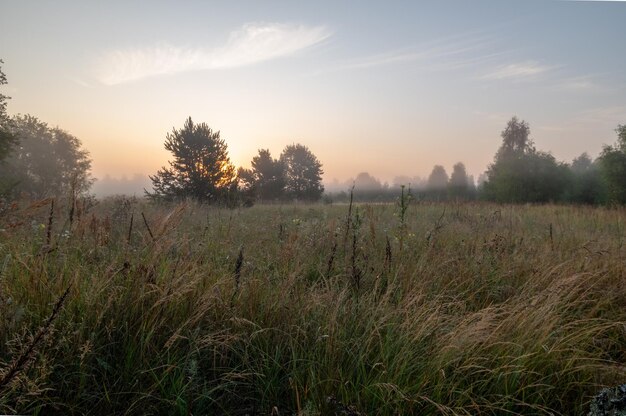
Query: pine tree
{"type": "Point", "coordinates": [200, 168]}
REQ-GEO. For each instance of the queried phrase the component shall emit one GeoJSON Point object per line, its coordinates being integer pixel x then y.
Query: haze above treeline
{"type": "Point", "coordinates": [364, 181]}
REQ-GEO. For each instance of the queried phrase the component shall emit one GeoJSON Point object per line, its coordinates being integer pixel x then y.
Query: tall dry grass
{"type": "Point", "coordinates": [452, 309]}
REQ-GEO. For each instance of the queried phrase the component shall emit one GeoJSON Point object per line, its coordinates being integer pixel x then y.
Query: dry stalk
{"type": "Point", "coordinates": [237, 274]}
{"type": "Point", "coordinates": [145, 221]}
{"type": "Point", "coordinates": [50, 220]}
{"type": "Point", "coordinates": [348, 218]}
{"type": "Point", "coordinates": [388, 257]}
{"type": "Point", "coordinates": [356, 271]}
{"type": "Point", "coordinates": [331, 258]}
{"type": "Point", "coordinates": [130, 227]}
{"type": "Point", "coordinates": [21, 362]}
{"type": "Point", "coordinates": [238, 264]}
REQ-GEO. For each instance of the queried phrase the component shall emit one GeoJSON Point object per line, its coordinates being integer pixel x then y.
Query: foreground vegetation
{"type": "Point", "coordinates": [129, 308]}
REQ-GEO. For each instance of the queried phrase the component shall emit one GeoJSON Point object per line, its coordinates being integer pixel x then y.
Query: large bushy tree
{"type": "Point", "coordinates": [612, 162]}
{"type": "Point", "coordinates": [46, 161]}
{"type": "Point", "coordinates": [7, 139]}
{"type": "Point", "coordinates": [364, 182]}
{"type": "Point", "coordinates": [200, 167]}
{"type": "Point", "coordinates": [303, 173]}
{"type": "Point", "coordinates": [438, 179]}
{"type": "Point", "coordinates": [520, 173]}
{"type": "Point", "coordinates": [266, 178]}
{"type": "Point", "coordinates": [3, 98]}
{"type": "Point", "coordinates": [586, 185]}
{"type": "Point", "coordinates": [437, 184]}
{"type": "Point", "coordinates": [365, 187]}
{"type": "Point", "coordinates": [621, 137]}
{"type": "Point", "coordinates": [459, 184]}
{"type": "Point", "coordinates": [515, 139]}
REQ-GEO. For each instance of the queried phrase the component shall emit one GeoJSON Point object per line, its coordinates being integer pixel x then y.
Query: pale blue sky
{"type": "Point", "coordinates": [391, 88]}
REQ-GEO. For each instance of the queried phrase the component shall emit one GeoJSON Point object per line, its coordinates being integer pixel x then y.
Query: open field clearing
{"type": "Point", "coordinates": [445, 309]}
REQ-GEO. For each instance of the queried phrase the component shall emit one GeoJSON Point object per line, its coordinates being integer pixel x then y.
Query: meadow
{"type": "Point", "coordinates": [419, 308]}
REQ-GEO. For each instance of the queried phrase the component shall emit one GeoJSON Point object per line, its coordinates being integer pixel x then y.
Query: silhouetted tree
{"type": "Point", "coordinates": [200, 168]}
{"type": "Point", "coordinates": [437, 184]}
{"type": "Point", "coordinates": [515, 139]}
{"type": "Point", "coordinates": [247, 182]}
{"type": "Point", "coordinates": [3, 98]}
{"type": "Point", "coordinates": [7, 139]}
{"type": "Point", "coordinates": [535, 177]}
{"type": "Point", "coordinates": [582, 164]}
{"type": "Point", "coordinates": [459, 182]}
{"type": "Point", "coordinates": [621, 137]}
{"type": "Point", "coordinates": [303, 173]}
{"type": "Point", "coordinates": [480, 182]}
{"type": "Point", "coordinates": [520, 173]}
{"type": "Point", "coordinates": [586, 184]}
{"type": "Point", "coordinates": [369, 188]}
{"type": "Point", "coordinates": [438, 178]}
{"type": "Point", "coordinates": [366, 182]}
{"type": "Point", "coordinates": [266, 178]}
{"type": "Point", "coordinates": [46, 161]}
{"type": "Point", "coordinates": [612, 162]}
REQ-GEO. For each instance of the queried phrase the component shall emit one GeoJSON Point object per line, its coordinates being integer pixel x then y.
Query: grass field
{"type": "Point", "coordinates": [442, 309]}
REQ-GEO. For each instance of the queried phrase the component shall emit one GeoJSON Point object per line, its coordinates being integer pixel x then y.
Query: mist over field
{"type": "Point", "coordinates": [124, 185]}
{"type": "Point", "coordinates": [313, 208]}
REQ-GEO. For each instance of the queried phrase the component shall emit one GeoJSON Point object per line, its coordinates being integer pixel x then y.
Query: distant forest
{"type": "Point", "coordinates": [38, 161]}
{"type": "Point", "coordinates": [519, 174]}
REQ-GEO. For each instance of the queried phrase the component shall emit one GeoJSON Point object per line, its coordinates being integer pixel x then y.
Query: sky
{"type": "Point", "coordinates": [389, 88]}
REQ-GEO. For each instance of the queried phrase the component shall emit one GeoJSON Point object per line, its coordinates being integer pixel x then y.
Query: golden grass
{"type": "Point", "coordinates": [456, 309]}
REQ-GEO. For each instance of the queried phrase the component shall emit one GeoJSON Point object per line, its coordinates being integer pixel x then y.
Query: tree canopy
{"type": "Point", "coordinates": [46, 160]}
{"type": "Point", "coordinates": [459, 182]}
{"type": "Point", "coordinates": [585, 182]}
{"type": "Point", "coordinates": [200, 167]}
{"type": "Point", "coordinates": [266, 179]}
{"type": "Point", "coordinates": [364, 182]}
{"type": "Point", "coordinates": [612, 165]}
{"type": "Point", "coordinates": [438, 178]}
{"type": "Point", "coordinates": [515, 139]}
{"type": "Point", "coordinates": [621, 137]}
{"type": "Point", "coordinates": [7, 139]}
{"type": "Point", "coordinates": [3, 98]}
{"type": "Point", "coordinates": [520, 173]}
{"type": "Point", "coordinates": [303, 173]}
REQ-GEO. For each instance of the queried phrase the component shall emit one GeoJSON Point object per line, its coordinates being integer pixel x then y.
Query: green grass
{"type": "Point", "coordinates": [475, 309]}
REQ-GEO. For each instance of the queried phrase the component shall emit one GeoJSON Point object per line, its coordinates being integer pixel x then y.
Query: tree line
{"type": "Point", "coordinates": [37, 160]}
{"type": "Point", "coordinates": [200, 169]}
{"type": "Point", "coordinates": [519, 173]}
{"type": "Point", "coordinates": [438, 185]}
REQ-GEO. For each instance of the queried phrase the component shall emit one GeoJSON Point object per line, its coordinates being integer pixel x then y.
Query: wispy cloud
{"type": "Point", "coordinates": [251, 44]}
{"type": "Point", "coordinates": [603, 83]}
{"type": "Point", "coordinates": [579, 83]}
{"type": "Point", "coordinates": [382, 59]}
{"type": "Point", "coordinates": [450, 53]}
{"type": "Point", "coordinates": [603, 115]}
{"type": "Point", "coordinates": [518, 71]}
